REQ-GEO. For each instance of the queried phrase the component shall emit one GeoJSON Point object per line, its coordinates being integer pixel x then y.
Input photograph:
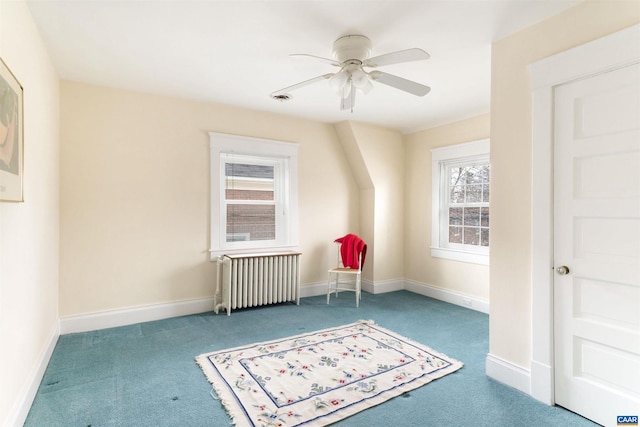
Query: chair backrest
{"type": "Point", "coordinates": [340, 263]}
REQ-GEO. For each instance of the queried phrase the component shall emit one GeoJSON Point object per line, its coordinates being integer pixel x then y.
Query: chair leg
{"type": "Point", "coordinates": [334, 285]}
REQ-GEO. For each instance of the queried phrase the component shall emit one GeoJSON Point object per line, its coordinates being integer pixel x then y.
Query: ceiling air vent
{"type": "Point", "coordinates": [284, 97]}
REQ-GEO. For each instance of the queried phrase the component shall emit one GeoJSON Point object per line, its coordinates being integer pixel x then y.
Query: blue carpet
{"type": "Point", "coordinates": [145, 374]}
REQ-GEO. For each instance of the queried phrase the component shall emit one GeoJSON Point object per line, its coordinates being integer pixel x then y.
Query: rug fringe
{"type": "Point", "coordinates": [215, 392]}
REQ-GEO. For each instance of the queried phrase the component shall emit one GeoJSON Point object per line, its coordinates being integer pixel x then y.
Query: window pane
{"type": "Point", "coordinates": [485, 193]}
{"type": "Point", "coordinates": [248, 170]}
{"type": "Point", "coordinates": [455, 234]}
{"type": "Point", "coordinates": [485, 236]}
{"type": "Point", "coordinates": [484, 217]}
{"type": "Point", "coordinates": [474, 174]}
{"type": "Point", "coordinates": [472, 216]}
{"type": "Point", "coordinates": [474, 193]}
{"type": "Point", "coordinates": [457, 194]}
{"type": "Point", "coordinates": [251, 222]}
{"type": "Point", "coordinates": [485, 172]}
{"type": "Point", "coordinates": [471, 236]}
{"type": "Point", "coordinates": [236, 193]}
{"type": "Point", "coordinates": [455, 216]}
{"type": "Point", "coordinates": [457, 176]}
{"type": "Point", "coordinates": [249, 182]}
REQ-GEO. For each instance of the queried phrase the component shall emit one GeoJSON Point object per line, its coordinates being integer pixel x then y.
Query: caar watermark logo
{"type": "Point", "coordinates": [627, 420]}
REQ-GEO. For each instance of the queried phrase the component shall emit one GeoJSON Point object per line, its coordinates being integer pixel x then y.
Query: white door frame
{"type": "Point", "coordinates": [610, 52]}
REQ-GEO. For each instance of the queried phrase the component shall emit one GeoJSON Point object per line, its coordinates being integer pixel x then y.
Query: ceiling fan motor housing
{"type": "Point", "coordinates": [352, 47]}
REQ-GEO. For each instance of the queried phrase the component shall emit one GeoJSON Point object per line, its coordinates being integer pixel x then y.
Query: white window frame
{"type": "Point", "coordinates": [440, 158]}
{"type": "Point", "coordinates": [282, 154]}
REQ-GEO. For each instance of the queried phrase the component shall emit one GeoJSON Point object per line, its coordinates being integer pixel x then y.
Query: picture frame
{"type": "Point", "coordinates": [11, 136]}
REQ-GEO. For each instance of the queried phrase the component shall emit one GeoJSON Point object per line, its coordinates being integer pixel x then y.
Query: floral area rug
{"type": "Point", "coordinates": [318, 378]}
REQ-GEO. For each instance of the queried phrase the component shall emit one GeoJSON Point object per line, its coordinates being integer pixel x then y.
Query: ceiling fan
{"type": "Point", "coordinates": [351, 55]}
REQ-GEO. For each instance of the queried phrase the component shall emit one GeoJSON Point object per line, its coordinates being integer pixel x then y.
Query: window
{"type": "Point", "coordinates": [460, 198]}
{"type": "Point", "coordinates": [253, 195]}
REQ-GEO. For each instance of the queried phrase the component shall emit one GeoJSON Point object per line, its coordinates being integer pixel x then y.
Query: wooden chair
{"type": "Point", "coordinates": [343, 278]}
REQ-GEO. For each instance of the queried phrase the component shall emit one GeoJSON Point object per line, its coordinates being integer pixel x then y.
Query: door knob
{"type": "Point", "coordinates": [562, 270]}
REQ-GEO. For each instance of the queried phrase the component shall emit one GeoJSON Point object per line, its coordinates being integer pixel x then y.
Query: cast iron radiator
{"type": "Point", "coordinates": [251, 280]}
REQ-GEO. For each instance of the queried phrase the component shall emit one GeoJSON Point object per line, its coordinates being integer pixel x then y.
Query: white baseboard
{"type": "Point", "coordinates": [313, 290]}
{"type": "Point", "coordinates": [130, 316]}
{"type": "Point", "coordinates": [457, 298]}
{"type": "Point", "coordinates": [508, 373]}
{"type": "Point", "coordinates": [383, 286]}
{"type": "Point", "coordinates": [380, 287]}
{"type": "Point", "coordinates": [20, 410]}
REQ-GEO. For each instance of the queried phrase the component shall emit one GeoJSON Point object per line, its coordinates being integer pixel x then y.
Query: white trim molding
{"type": "Point", "coordinates": [508, 373]}
{"type": "Point", "coordinates": [446, 295]}
{"type": "Point", "coordinates": [130, 316]}
{"type": "Point", "coordinates": [380, 287]}
{"type": "Point", "coordinates": [18, 414]}
{"type": "Point", "coordinates": [542, 388]}
{"type": "Point", "coordinates": [431, 291]}
{"type": "Point", "coordinates": [313, 289]}
{"type": "Point", "coordinates": [607, 53]}
{"type": "Point", "coordinates": [383, 286]}
{"type": "Point", "coordinates": [148, 313]}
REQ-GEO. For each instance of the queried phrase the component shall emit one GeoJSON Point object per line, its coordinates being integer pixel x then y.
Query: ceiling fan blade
{"type": "Point", "coordinates": [301, 84]}
{"type": "Point", "coordinates": [400, 83]}
{"type": "Point", "coordinates": [325, 60]}
{"type": "Point", "coordinates": [408, 55]}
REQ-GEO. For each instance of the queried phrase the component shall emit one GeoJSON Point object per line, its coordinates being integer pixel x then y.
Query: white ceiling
{"type": "Point", "coordinates": [236, 52]}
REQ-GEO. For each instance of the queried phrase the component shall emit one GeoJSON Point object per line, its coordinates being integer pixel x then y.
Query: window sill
{"type": "Point", "coordinates": [457, 255]}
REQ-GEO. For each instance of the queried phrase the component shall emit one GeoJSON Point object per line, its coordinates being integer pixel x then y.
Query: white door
{"type": "Point", "coordinates": [597, 245]}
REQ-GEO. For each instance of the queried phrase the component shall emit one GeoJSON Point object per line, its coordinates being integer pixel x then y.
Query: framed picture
{"type": "Point", "coordinates": [11, 136]}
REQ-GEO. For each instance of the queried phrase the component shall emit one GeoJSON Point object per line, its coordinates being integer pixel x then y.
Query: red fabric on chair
{"type": "Point", "coordinates": [350, 249]}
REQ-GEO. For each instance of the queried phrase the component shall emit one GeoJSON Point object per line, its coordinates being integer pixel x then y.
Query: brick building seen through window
{"type": "Point", "coordinates": [250, 201]}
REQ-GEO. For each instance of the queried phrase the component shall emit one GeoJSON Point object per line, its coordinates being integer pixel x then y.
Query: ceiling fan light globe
{"type": "Point", "coordinates": [338, 81]}
{"type": "Point", "coordinates": [367, 87]}
{"type": "Point", "coordinates": [361, 81]}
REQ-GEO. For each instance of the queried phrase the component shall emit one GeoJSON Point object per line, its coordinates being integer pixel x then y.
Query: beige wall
{"type": "Point", "coordinates": [135, 195]}
{"type": "Point", "coordinates": [383, 154]}
{"type": "Point", "coordinates": [376, 157]}
{"type": "Point", "coordinates": [510, 272]}
{"type": "Point", "coordinates": [29, 230]}
{"type": "Point", "coordinates": [366, 196]}
{"type": "Point", "coordinates": [419, 266]}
